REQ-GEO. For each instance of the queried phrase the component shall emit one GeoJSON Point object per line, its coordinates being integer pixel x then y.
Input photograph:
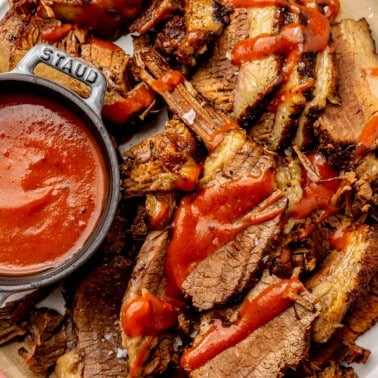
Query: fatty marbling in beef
{"type": "Point", "coordinates": [340, 128]}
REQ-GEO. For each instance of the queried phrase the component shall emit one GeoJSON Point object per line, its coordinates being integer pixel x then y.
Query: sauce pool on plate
{"type": "Point", "coordinates": [52, 183]}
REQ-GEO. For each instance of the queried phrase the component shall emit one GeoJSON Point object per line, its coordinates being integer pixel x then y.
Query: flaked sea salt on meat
{"type": "Point", "coordinates": [121, 353]}
{"type": "Point", "coordinates": [189, 116]}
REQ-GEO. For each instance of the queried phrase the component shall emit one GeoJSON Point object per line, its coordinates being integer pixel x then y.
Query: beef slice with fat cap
{"type": "Point", "coordinates": [235, 265]}
{"type": "Point", "coordinates": [339, 128]}
{"type": "Point", "coordinates": [235, 157]}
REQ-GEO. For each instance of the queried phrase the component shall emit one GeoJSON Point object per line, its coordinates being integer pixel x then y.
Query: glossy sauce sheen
{"type": "Point", "coordinates": [52, 184]}
{"type": "Point", "coordinates": [123, 108]}
{"type": "Point", "coordinates": [147, 315]}
{"type": "Point", "coordinates": [168, 81]}
{"type": "Point", "coordinates": [254, 313]}
{"type": "Point", "coordinates": [211, 218]}
{"type": "Point", "coordinates": [310, 38]}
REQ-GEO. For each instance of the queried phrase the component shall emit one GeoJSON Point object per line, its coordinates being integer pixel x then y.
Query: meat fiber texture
{"type": "Point", "coordinates": [269, 350]}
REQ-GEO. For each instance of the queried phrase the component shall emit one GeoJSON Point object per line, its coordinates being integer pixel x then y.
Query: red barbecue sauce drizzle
{"type": "Point", "coordinates": [254, 313]}
{"type": "Point", "coordinates": [372, 71]}
{"type": "Point", "coordinates": [56, 33]}
{"type": "Point", "coordinates": [123, 108]}
{"type": "Point", "coordinates": [290, 42]}
{"type": "Point", "coordinates": [202, 223]}
{"type": "Point", "coordinates": [209, 219]}
{"type": "Point", "coordinates": [168, 81]}
{"type": "Point", "coordinates": [217, 136]}
{"type": "Point", "coordinates": [317, 195]}
{"type": "Point", "coordinates": [368, 137]}
{"type": "Point", "coordinates": [310, 38]}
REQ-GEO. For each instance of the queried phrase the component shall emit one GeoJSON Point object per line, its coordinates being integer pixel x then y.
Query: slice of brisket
{"type": "Point", "coordinates": [148, 353]}
{"type": "Point", "coordinates": [95, 315]}
{"type": "Point", "coordinates": [216, 78]}
{"type": "Point", "coordinates": [49, 334]}
{"type": "Point", "coordinates": [342, 346]}
{"type": "Point", "coordinates": [268, 351]}
{"type": "Point", "coordinates": [186, 38]}
{"type": "Point", "coordinates": [257, 79]}
{"type": "Point", "coordinates": [343, 275]}
{"type": "Point", "coordinates": [155, 12]}
{"type": "Point", "coordinates": [234, 266]}
{"type": "Point", "coordinates": [158, 163]}
{"type": "Point", "coordinates": [340, 127]}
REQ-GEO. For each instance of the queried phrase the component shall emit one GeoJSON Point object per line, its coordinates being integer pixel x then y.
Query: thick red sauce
{"type": "Point", "coordinates": [317, 195]}
{"type": "Point", "coordinates": [52, 184]}
{"type": "Point", "coordinates": [123, 108]}
{"type": "Point", "coordinates": [211, 218]}
{"type": "Point", "coordinates": [168, 81]}
{"type": "Point", "coordinates": [202, 223]}
{"type": "Point", "coordinates": [217, 136]}
{"type": "Point", "coordinates": [292, 40]}
{"type": "Point", "coordinates": [147, 315]}
{"type": "Point", "coordinates": [254, 313]}
{"type": "Point", "coordinates": [56, 33]}
{"type": "Point", "coordinates": [369, 133]}
{"type": "Point", "coordinates": [310, 38]}
{"type": "Point", "coordinates": [372, 71]}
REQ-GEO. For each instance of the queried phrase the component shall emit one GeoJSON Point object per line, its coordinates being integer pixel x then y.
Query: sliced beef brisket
{"type": "Point", "coordinates": [216, 78]}
{"type": "Point", "coordinates": [161, 163]}
{"type": "Point", "coordinates": [271, 349]}
{"type": "Point", "coordinates": [147, 353]}
{"type": "Point", "coordinates": [340, 128]}
{"type": "Point", "coordinates": [343, 275]}
{"type": "Point", "coordinates": [95, 314]}
{"type": "Point", "coordinates": [235, 265]}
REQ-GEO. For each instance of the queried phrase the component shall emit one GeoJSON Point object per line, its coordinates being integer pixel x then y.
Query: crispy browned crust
{"type": "Point", "coordinates": [183, 99]}
{"type": "Point", "coordinates": [216, 78]}
{"type": "Point", "coordinates": [340, 127]}
{"type": "Point", "coordinates": [155, 12]}
{"type": "Point", "coordinates": [158, 163]}
{"type": "Point", "coordinates": [342, 277]}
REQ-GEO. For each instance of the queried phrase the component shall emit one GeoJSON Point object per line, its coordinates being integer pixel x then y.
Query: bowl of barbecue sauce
{"type": "Point", "coordinates": [59, 174]}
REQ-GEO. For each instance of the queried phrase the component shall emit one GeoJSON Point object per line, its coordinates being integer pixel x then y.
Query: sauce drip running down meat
{"type": "Point", "coordinates": [254, 313]}
{"type": "Point", "coordinates": [203, 223]}
{"type": "Point", "coordinates": [312, 37]}
{"type": "Point", "coordinates": [368, 137]}
{"type": "Point", "coordinates": [211, 218]}
{"type": "Point", "coordinates": [147, 315]}
{"type": "Point", "coordinates": [52, 185]}
{"type": "Point", "coordinates": [123, 108]}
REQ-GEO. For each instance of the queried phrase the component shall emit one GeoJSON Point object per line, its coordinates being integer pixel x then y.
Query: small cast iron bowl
{"type": "Point", "coordinates": [23, 80]}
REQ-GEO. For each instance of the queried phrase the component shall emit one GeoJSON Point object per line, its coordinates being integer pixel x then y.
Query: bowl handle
{"type": "Point", "coordinates": [71, 66]}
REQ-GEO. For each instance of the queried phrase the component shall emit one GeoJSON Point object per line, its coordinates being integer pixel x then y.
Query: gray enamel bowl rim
{"type": "Point", "coordinates": [24, 82]}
